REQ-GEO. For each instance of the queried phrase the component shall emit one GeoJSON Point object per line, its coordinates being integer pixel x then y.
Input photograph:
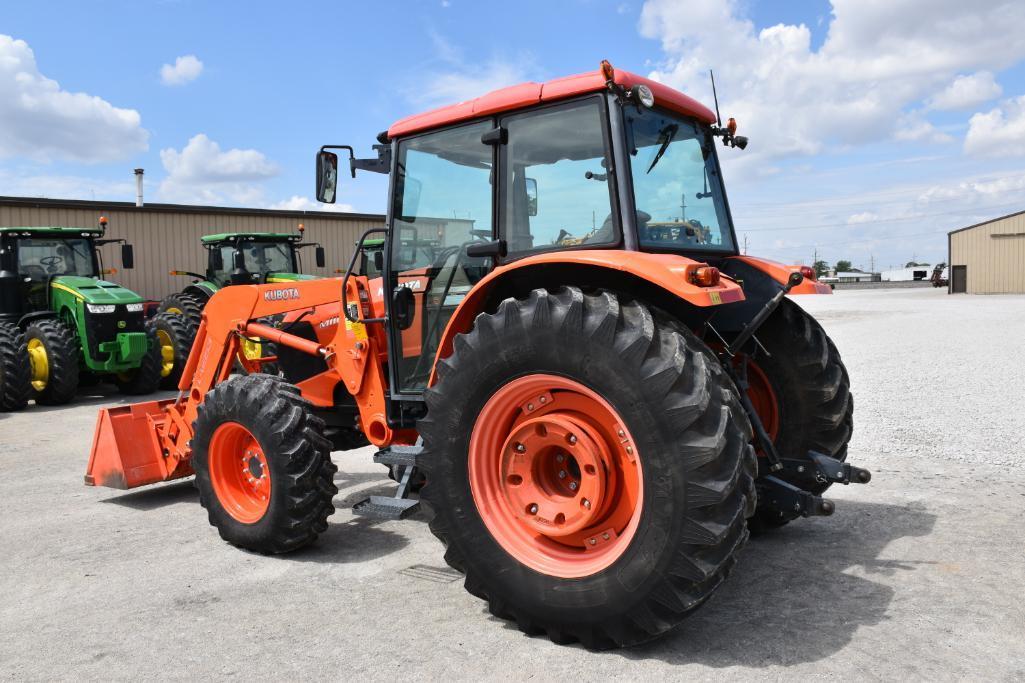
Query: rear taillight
{"type": "Point", "coordinates": [705, 276]}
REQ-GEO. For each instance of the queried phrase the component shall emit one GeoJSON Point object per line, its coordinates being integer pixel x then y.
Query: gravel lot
{"type": "Point", "coordinates": [918, 575]}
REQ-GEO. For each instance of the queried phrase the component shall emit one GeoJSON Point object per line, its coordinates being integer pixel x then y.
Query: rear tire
{"type": "Point", "coordinates": [145, 379]}
{"type": "Point", "coordinates": [175, 344]}
{"type": "Point", "coordinates": [188, 306]}
{"type": "Point", "coordinates": [52, 342]}
{"type": "Point", "coordinates": [287, 439]}
{"type": "Point", "coordinates": [15, 388]}
{"type": "Point", "coordinates": [813, 391]}
{"type": "Point", "coordinates": [695, 470]}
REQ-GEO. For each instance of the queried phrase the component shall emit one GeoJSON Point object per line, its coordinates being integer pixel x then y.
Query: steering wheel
{"type": "Point", "coordinates": [52, 261]}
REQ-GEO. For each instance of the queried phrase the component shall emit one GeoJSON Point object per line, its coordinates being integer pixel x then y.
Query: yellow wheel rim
{"type": "Point", "coordinates": [252, 349]}
{"type": "Point", "coordinates": [166, 353]}
{"type": "Point", "coordinates": [40, 364]}
{"type": "Point", "coordinates": [174, 309]}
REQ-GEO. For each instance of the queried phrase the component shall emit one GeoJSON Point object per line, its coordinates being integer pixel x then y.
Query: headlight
{"type": "Point", "coordinates": [135, 308]}
{"type": "Point", "coordinates": [100, 308]}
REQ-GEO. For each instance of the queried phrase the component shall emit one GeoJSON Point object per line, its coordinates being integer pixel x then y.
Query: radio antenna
{"type": "Point", "coordinates": [718, 119]}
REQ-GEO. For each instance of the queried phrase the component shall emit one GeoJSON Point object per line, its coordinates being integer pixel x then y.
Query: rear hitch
{"type": "Point", "coordinates": [790, 500]}
{"type": "Point", "coordinates": [826, 470]}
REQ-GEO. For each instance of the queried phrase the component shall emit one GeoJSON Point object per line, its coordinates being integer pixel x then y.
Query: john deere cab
{"type": "Point", "coordinates": [60, 322]}
{"type": "Point", "coordinates": [233, 258]}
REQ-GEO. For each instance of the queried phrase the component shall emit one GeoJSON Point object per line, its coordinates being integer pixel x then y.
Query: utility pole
{"type": "Point", "coordinates": [872, 263]}
{"type": "Point", "coordinates": [745, 244]}
{"type": "Point", "coordinates": [683, 207]}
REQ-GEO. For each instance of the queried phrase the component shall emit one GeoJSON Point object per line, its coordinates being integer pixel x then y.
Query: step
{"type": "Point", "coordinates": [405, 456]}
{"type": "Point", "coordinates": [386, 507]}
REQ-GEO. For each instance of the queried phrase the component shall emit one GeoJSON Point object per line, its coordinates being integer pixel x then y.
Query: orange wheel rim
{"type": "Point", "coordinates": [763, 398]}
{"type": "Point", "coordinates": [238, 473]}
{"type": "Point", "coordinates": [555, 476]}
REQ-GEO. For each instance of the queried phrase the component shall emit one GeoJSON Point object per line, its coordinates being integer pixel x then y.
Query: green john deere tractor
{"type": "Point", "coordinates": [233, 258]}
{"type": "Point", "coordinates": [60, 324]}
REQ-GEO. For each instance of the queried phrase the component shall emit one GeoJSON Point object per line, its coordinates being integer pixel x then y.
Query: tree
{"type": "Point", "coordinates": [821, 268]}
{"type": "Point", "coordinates": [843, 266]}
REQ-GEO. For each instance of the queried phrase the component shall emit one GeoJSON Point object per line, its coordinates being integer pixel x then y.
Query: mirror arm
{"type": "Point", "coordinates": [382, 164]}
{"type": "Point", "coordinates": [348, 148]}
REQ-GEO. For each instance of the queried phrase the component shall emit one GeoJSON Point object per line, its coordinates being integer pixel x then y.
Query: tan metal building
{"type": "Point", "coordinates": [988, 257]}
{"type": "Point", "coordinates": [166, 236]}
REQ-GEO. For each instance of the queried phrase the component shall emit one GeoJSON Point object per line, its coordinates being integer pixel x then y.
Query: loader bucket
{"type": "Point", "coordinates": [126, 449]}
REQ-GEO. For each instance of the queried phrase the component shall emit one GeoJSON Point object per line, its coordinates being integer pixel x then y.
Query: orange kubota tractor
{"type": "Point", "coordinates": [595, 395]}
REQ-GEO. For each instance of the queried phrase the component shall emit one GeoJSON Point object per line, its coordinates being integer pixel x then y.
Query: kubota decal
{"type": "Point", "coordinates": [281, 294]}
{"type": "Point", "coordinates": [330, 322]}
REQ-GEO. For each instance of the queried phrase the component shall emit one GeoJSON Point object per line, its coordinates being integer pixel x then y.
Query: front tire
{"type": "Point", "coordinates": [175, 343]}
{"type": "Point", "coordinates": [53, 357]}
{"type": "Point", "coordinates": [263, 467]}
{"type": "Point", "coordinates": [644, 420]}
{"type": "Point", "coordinates": [15, 388]}
{"type": "Point", "coordinates": [188, 306]}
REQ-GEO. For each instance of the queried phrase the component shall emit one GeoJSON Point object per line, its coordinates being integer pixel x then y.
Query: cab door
{"type": "Point", "coordinates": [442, 202]}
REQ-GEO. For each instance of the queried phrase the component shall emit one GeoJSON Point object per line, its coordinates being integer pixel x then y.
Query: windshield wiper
{"type": "Point", "coordinates": [666, 135]}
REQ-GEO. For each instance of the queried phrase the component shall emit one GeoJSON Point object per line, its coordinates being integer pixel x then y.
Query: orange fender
{"type": "Point", "coordinates": [671, 272]}
{"type": "Point", "coordinates": [781, 272]}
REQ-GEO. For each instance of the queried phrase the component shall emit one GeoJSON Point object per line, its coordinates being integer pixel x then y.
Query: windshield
{"type": "Point", "coordinates": [40, 258]}
{"type": "Point", "coordinates": [261, 258]}
{"type": "Point", "coordinates": [677, 187]}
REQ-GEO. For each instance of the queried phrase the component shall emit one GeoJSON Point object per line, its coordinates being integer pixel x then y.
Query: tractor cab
{"type": "Point", "coordinates": [37, 264]}
{"type": "Point", "coordinates": [256, 258]}
{"type": "Point", "coordinates": [606, 161]}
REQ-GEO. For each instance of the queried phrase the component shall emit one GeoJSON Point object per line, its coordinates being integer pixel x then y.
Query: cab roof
{"type": "Point", "coordinates": [255, 236]}
{"type": "Point", "coordinates": [530, 94]}
{"type": "Point", "coordinates": [51, 230]}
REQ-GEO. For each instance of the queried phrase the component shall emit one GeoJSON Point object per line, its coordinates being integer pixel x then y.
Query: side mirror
{"type": "Point", "coordinates": [320, 257]}
{"type": "Point", "coordinates": [531, 184]}
{"type": "Point", "coordinates": [379, 261]}
{"type": "Point", "coordinates": [240, 276]}
{"type": "Point", "coordinates": [327, 176]}
{"type": "Point", "coordinates": [403, 307]}
{"type": "Point", "coordinates": [238, 260]}
{"type": "Point", "coordinates": [216, 259]}
{"type": "Point", "coordinates": [127, 256]}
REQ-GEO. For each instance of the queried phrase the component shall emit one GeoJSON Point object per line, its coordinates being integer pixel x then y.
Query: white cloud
{"type": "Point", "coordinates": [41, 121]}
{"type": "Point", "coordinates": [863, 217]}
{"type": "Point", "coordinates": [201, 173]}
{"type": "Point", "coordinates": [31, 182]}
{"type": "Point", "coordinates": [184, 70]}
{"type": "Point", "coordinates": [878, 62]}
{"type": "Point", "coordinates": [300, 203]}
{"type": "Point", "coordinates": [913, 127]}
{"type": "Point", "coordinates": [966, 92]}
{"type": "Point", "coordinates": [999, 132]}
{"type": "Point", "coordinates": [460, 79]}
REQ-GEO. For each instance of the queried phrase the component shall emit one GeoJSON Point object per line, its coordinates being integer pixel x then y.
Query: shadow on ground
{"type": "Point", "coordinates": [156, 497]}
{"type": "Point", "coordinates": [798, 594]}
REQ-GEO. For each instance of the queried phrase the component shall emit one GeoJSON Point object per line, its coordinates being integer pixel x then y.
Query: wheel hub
{"type": "Point", "coordinates": [239, 473]}
{"type": "Point", "coordinates": [554, 474]}
{"type": "Point", "coordinates": [166, 353]}
{"type": "Point", "coordinates": [40, 364]}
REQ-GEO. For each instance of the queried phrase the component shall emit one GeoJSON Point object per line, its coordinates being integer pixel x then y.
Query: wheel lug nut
{"type": "Point", "coordinates": [520, 448]}
{"type": "Point", "coordinates": [559, 458]}
{"type": "Point", "coordinates": [533, 509]}
{"type": "Point", "coordinates": [530, 406]}
{"type": "Point", "coordinates": [562, 474]}
{"type": "Point", "coordinates": [605, 536]}
{"type": "Point", "coordinates": [587, 504]}
{"type": "Point", "coordinates": [572, 486]}
{"type": "Point", "coordinates": [572, 438]}
{"type": "Point", "coordinates": [543, 399]}
{"type": "Point", "coordinates": [593, 541]}
{"type": "Point", "coordinates": [622, 433]}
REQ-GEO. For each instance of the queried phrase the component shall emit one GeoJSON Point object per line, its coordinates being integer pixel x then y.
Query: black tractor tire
{"type": "Point", "coordinates": [690, 432]}
{"type": "Point", "coordinates": [298, 462]}
{"type": "Point", "coordinates": [15, 389]}
{"type": "Point", "coordinates": [62, 355]}
{"type": "Point", "coordinates": [813, 391]}
{"type": "Point", "coordinates": [145, 379]}
{"type": "Point", "coordinates": [188, 306]}
{"type": "Point", "coordinates": [176, 331]}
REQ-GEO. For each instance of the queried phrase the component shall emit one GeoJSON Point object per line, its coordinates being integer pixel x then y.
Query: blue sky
{"type": "Point", "coordinates": [875, 126]}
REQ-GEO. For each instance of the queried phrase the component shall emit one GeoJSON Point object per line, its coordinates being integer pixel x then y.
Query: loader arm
{"type": "Point", "coordinates": [149, 442]}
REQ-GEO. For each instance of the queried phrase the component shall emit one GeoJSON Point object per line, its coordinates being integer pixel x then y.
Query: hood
{"type": "Point", "coordinates": [96, 291]}
{"type": "Point", "coordinates": [289, 277]}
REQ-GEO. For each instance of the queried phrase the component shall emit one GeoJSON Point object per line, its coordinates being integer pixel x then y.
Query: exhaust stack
{"type": "Point", "coordinates": [138, 186]}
